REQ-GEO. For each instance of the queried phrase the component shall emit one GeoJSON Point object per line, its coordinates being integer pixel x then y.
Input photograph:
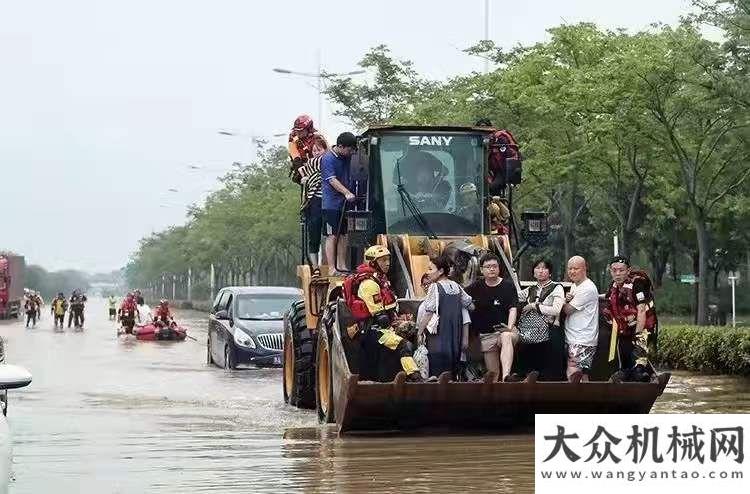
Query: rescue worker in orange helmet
{"type": "Point", "coordinates": [373, 304]}
{"type": "Point", "coordinates": [304, 141]}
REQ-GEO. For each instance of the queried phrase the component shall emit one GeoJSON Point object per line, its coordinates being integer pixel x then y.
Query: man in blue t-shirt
{"type": "Point", "coordinates": [334, 170]}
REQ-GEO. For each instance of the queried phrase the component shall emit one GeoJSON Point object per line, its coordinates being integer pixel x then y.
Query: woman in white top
{"type": "Point", "coordinates": [546, 298]}
{"type": "Point", "coordinates": [551, 304]}
{"type": "Point", "coordinates": [449, 338]}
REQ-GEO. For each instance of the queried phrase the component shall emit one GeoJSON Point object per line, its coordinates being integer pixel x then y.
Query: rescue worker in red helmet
{"type": "Point", "coordinates": [305, 142]}
{"type": "Point", "coordinates": [375, 308]}
{"type": "Point", "coordinates": [306, 147]}
{"type": "Point", "coordinates": [162, 315]}
{"type": "Point", "coordinates": [127, 313]}
{"type": "Point", "coordinates": [630, 310]}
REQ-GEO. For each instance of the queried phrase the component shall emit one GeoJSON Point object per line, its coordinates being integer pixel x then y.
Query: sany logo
{"type": "Point", "coordinates": [430, 140]}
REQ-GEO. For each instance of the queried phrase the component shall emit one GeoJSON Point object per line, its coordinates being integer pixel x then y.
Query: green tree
{"type": "Point", "coordinates": [392, 94]}
{"type": "Point", "coordinates": [704, 132]}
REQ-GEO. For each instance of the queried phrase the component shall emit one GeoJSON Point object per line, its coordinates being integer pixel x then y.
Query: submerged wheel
{"type": "Point", "coordinates": [209, 359]}
{"type": "Point", "coordinates": [229, 363]}
{"type": "Point", "coordinates": [299, 375]}
{"type": "Point", "coordinates": [324, 372]}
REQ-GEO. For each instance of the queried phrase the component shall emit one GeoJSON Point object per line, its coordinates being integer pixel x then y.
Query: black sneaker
{"type": "Point", "coordinates": [640, 374]}
{"type": "Point", "coordinates": [513, 378]}
{"type": "Point", "coordinates": [618, 377]}
{"type": "Point", "coordinates": [414, 377]}
{"type": "Point", "coordinates": [532, 376]}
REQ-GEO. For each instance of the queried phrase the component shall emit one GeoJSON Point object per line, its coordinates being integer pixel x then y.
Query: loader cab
{"type": "Point", "coordinates": [417, 180]}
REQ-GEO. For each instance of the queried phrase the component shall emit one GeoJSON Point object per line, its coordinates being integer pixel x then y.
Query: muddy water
{"type": "Point", "coordinates": [107, 416]}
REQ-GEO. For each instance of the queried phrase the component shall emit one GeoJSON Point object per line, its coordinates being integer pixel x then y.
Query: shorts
{"type": "Point", "coordinates": [112, 312]}
{"type": "Point", "coordinates": [581, 356]}
{"type": "Point", "coordinates": [491, 341]}
{"type": "Point", "coordinates": [334, 223]}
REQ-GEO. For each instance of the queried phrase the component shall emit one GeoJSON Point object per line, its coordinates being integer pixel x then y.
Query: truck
{"type": "Point", "coordinates": [12, 269]}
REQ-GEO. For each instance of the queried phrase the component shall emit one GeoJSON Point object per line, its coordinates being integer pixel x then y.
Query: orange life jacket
{"type": "Point", "coordinates": [127, 309]}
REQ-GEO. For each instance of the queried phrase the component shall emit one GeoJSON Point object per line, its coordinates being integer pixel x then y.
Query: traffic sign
{"type": "Point", "coordinates": [687, 278]}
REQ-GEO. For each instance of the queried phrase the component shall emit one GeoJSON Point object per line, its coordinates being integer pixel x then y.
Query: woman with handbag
{"type": "Point", "coordinates": [541, 341]}
{"type": "Point", "coordinates": [442, 323]}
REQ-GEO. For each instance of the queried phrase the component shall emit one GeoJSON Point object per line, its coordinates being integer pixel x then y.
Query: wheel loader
{"type": "Point", "coordinates": [421, 191]}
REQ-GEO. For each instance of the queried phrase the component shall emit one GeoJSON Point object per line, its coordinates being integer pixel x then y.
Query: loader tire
{"type": "Point", "coordinates": [324, 369]}
{"type": "Point", "coordinates": [299, 359]}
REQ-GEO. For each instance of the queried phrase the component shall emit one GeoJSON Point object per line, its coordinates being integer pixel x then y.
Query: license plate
{"type": "Point", "coordinates": [277, 360]}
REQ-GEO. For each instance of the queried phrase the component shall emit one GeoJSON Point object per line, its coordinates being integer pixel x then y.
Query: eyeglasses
{"type": "Point", "coordinates": [491, 266]}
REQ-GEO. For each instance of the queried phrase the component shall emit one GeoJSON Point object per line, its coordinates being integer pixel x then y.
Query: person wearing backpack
{"type": "Point", "coordinates": [373, 305]}
{"type": "Point", "coordinates": [631, 310]}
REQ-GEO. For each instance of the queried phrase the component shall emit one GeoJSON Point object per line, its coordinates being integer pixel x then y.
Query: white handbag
{"type": "Point", "coordinates": [432, 325]}
{"type": "Point", "coordinates": [422, 359]}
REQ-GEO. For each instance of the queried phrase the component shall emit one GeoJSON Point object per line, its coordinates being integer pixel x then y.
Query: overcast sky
{"type": "Point", "coordinates": [105, 104]}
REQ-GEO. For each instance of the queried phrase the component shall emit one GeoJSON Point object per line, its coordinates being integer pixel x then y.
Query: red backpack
{"type": "Point", "coordinates": [356, 305]}
{"type": "Point", "coordinates": [503, 147]}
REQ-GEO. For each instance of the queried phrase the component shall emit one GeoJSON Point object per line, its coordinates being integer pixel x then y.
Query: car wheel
{"type": "Point", "coordinates": [209, 358]}
{"type": "Point", "coordinates": [229, 363]}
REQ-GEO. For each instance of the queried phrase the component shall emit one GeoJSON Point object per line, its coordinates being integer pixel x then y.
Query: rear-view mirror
{"type": "Point", "coordinates": [13, 376]}
{"type": "Point", "coordinates": [222, 315]}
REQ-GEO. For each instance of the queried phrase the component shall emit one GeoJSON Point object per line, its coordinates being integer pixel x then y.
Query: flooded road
{"type": "Point", "coordinates": [107, 416]}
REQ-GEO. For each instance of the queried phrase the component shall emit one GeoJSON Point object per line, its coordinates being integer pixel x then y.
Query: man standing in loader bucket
{"type": "Point", "coordinates": [630, 310]}
{"type": "Point", "coordinates": [373, 305]}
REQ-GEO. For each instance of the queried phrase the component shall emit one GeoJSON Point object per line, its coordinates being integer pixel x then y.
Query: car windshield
{"type": "Point", "coordinates": [264, 305]}
{"type": "Point", "coordinates": [433, 179]}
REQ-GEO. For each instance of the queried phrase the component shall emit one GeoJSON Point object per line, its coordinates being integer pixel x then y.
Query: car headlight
{"type": "Point", "coordinates": [243, 339]}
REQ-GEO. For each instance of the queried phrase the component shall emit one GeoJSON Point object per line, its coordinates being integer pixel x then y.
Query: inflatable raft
{"type": "Point", "coordinates": [152, 332]}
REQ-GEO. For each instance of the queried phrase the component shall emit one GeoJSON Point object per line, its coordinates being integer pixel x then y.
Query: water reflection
{"type": "Point", "coordinates": [106, 415]}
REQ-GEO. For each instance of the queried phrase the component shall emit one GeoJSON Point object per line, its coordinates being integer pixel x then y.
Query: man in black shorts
{"type": "Point", "coordinates": [334, 170]}
{"type": "Point", "coordinates": [495, 301]}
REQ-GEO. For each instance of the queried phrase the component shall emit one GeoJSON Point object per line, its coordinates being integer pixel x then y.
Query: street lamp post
{"type": "Point", "coordinates": [319, 77]}
{"type": "Point", "coordinates": [733, 277]}
{"type": "Point", "coordinates": [486, 31]}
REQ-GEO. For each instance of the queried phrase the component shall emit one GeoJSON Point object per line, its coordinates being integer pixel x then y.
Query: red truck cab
{"type": "Point", "coordinates": [11, 285]}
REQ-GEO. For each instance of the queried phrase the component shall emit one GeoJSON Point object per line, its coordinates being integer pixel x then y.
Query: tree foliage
{"type": "Point", "coordinates": [248, 226]}
{"type": "Point", "coordinates": [643, 134]}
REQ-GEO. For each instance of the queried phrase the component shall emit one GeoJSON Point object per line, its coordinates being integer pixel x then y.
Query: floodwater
{"type": "Point", "coordinates": [107, 416]}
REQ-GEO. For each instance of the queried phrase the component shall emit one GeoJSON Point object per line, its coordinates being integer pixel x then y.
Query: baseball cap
{"type": "Point", "coordinates": [346, 139]}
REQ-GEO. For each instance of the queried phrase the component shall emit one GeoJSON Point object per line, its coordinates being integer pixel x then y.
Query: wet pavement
{"type": "Point", "coordinates": [108, 416]}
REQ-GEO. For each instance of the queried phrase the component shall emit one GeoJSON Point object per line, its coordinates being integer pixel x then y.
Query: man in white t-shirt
{"type": "Point", "coordinates": [582, 324]}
